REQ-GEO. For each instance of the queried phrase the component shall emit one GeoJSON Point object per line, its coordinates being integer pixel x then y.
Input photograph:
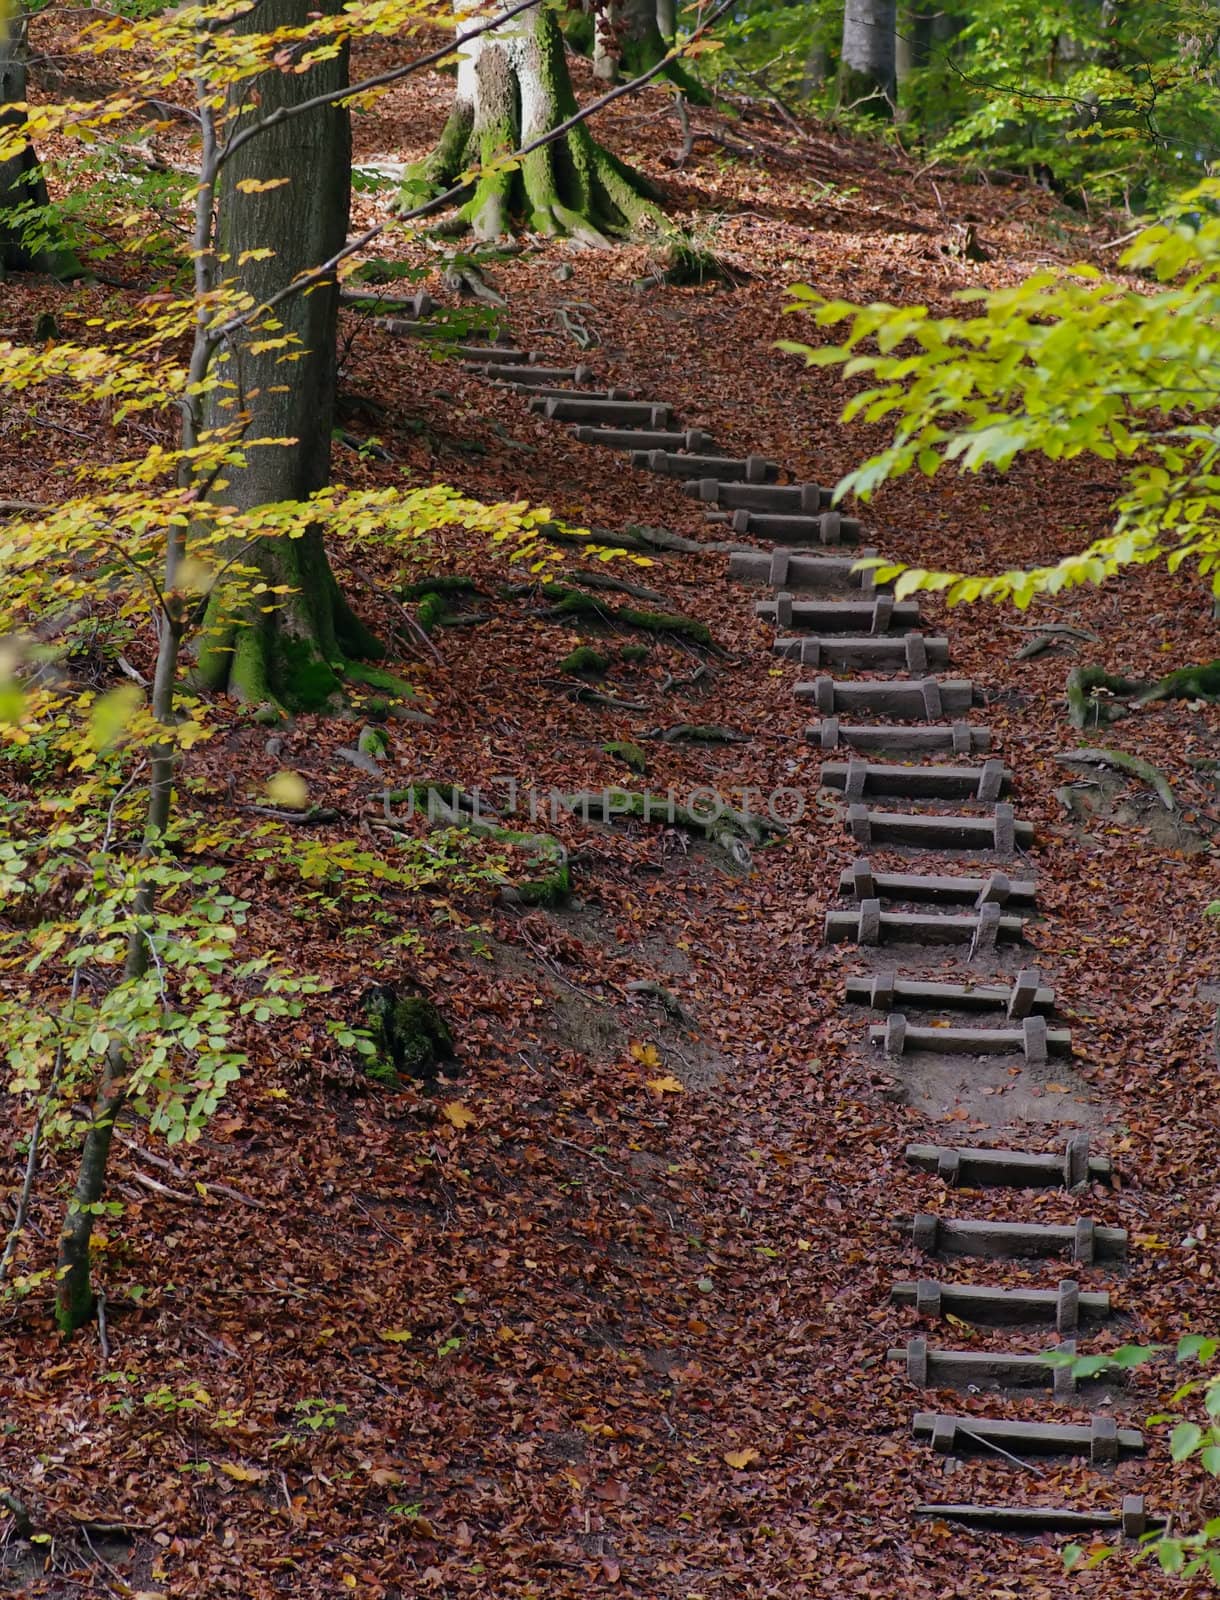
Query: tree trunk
{"type": "Point", "coordinates": [513, 86]}
{"type": "Point", "coordinates": [628, 39]}
{"type": "Point", "coordinates": [21, 182]}
{"type": "Point", "coordinates": [867, 66]}
{"type": "Point", "coordinates": [912, 49]}
{"type": "Point", "coordinates": [292, 655]}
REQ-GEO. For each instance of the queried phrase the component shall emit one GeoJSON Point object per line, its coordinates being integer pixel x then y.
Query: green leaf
{"type": "Point", "coordinates": [1184, 1441]}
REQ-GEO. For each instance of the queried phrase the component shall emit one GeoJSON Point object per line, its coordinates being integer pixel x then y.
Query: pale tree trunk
{"type": "Point", "coordinates": [21, 180]}
{"type": "Point", "coordinates": [867, 66]}
{"type": "Point", "coordinates": [628, 39]}
{"type": "Point", "coordinates": [294, 655]}
{"type": "Point", "coordinates": [512, 87]}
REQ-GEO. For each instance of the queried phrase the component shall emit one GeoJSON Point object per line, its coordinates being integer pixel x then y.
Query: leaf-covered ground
{"type": "Point", "coordinates": [607, 1309]}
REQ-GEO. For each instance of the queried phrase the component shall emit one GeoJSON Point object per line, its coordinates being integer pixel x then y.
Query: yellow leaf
{"type": "Point", "coordinates": [259, 185]}
{"type": "Point", "coordinates": [288, 789]}
{"type": "Point", "coordinates": [646, 1055]}
{"type": "Point", "coordinates": [740, 1459]}
{"type": "Point", "coordinates": [349, 1580]}
{"type": "Point", "coordinates": [461, 1116]}
{"type": "Point", "coordinates": [395, 1335]}
{"type": "Point", "coordinates": [666, 1085]}
{"type": "Point", "coordinates": [240, 1474]}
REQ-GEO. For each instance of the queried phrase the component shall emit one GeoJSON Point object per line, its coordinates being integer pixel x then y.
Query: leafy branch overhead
{"type": "Point", "coordinates": [1063, 365]}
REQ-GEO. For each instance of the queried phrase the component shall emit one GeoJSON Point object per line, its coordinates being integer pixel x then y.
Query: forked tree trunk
{"type": "Point", "coordinates": [21, 181]}
{"type": "Point", "coordinates": [512, 87]}
{"type": "Point", "coordinates": [866, 66]}
{"type": "Point", "coordinates": [292, 655]}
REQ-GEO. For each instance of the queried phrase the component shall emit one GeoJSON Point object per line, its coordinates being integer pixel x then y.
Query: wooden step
{"type": "Point", "coordinates": [962, 738]}
{"type": "Point", "coordinates": [800, 531]}
{"type": "Point", "coordinates": [803, 498]}
{"type": "Point", "coordinates": [862, 883]}
{"type": "Point", "coordinates": [547, 391]}
{"type": "Point", "coordinates": [645, 439]}
{"type": "Point", "coordinates": [1024, 1169]}
{"type": "Point", "coordinates": [1066, 1306]}
{"type": "Point", "coordinates": [931, 1368]}
{"type": "Point", "coordinates": [909, 700]}
{"type": "Point", "coordinates": [870, 925]}
{"type": "Point", "coordinates": [803, 571]}
{"type": "Point", "coordinates": [1032, 1039]}
{"type": "Point", "coordinates": [747, 469]}
{"type": "Point", "coordinates": [870, 619]}
{"type": "Point", "coordinates": [503, 355]}
{"type": "Point", "coordinates": [531, 377]}
{"type": "Point", "coordinates": [886, 991]}
{"type": "Point", "coordinates": [1083, 1240]}
{"type": "Point", "coordinates": [1133, 1521]}
{"type": "Point", "coordinates": [627, 413]}
{"type": "Point", "coordinates": [913, 653]}
{"type": "Point", "coordinates": [1100, 1439]}
{"type": "Point", "coordinates": [856, 779]}
{"type": "Point", "coordinates": [1001, 832]}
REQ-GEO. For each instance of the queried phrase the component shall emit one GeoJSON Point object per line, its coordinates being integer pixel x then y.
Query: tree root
{"type": "Point", "coordinates": [665, 997]}
{"type": "Point", "coordinates": [1144, 770]}
{"type": "Point", "coordinates": [698, 733]}
{"type": "Point", "coordinates": [1187, 683]}
{"type": "Point", "coordinates": [733, 831]}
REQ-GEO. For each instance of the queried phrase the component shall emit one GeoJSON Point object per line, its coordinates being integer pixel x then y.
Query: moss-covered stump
{"type": "Point", "coordinates": [1088, 692]}
{"type": "Point", "coordinates": [548, 875]}
{"type": "Point", "coordinates": [412, 1038]}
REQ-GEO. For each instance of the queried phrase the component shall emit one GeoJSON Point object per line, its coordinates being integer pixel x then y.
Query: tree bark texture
{"type": "Point", "coordinates": [867, 72]}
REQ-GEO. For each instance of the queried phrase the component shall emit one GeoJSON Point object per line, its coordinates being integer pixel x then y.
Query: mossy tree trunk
{"type": "Point", "coordinates": [513, 86]}
{"type": "Point", "coordinates": [628, 38]}
{"type": "Point", "coordinates": [21, 181]}
{"type": "Point", "coordinates": [867, 72]}
{"type": "Point", "coordinates": [293, 654]}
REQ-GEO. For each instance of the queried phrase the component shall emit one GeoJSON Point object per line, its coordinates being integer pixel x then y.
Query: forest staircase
{"type": "Point", "coordinates": [832, 617]}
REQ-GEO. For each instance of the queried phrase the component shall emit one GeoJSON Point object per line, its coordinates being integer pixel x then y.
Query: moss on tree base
{"type": "Point", "coordinates": [412, 1038]}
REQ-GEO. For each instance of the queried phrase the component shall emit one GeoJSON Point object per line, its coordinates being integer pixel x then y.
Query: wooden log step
{"type": "Point", "coordinates": [827, 528]}
{"type": "Point", "coordinates": [576, 408]}
{"type": "Point", "coordinates": [530, 377]}
{"type": "Point", "coordinates": [870, 925]}
{"type": "Point", "coordinates": [962, 738]}
{"type": "Point", "coordinates": [930, 1368]}
{"type": "Point", "coordinates": [504, 355]}
{"type": "Point", "coordinates": [1133, 1521]}
{"type": "Point", "coordinates": [914, 653]}
{"type": "Point", "coordinates": [1066, 1306]}
{"type": "Point", "coordinates": [747, 469]}
{"type": "Point", "coordinates": [1001, 832]}
{"type": "Point", "coordinates": [1032, 1039]}
{"type": "Point", "coordinates": [886, 990]}
{"type": "Point", "coordinates": [1083, 1240]}
{"type": "Point", "coordinates": [1100, 1439]}
{"type": "Point", "coordinates": [870, 618]}
{"type": "Point", "coordinates": [862, 883]}
{"type": "Point", "coordinates": [645, 439]}
{"type": "Point", "coordinates": [1023, 1169]}
{"type": "Point", "coordinates": [804, 571]}
{"type": "Point", "coordinates": [916, 700]}
{"type": "Point", "coordinates": [546, 391]}
{"type": "Point", "coordinates": [801, 498]}
{"type": "Point", "coordinates": [855, 779]}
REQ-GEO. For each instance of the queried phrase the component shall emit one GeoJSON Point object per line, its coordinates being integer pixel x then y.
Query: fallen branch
{"type": "Point", "coordinates": [656, 991]}
{"type": "Point", "coordinates": [1144, 770]}
{"type": "Point", "coordinates": [698, 733]}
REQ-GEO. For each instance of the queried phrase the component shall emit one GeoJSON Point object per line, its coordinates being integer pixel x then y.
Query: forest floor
{"type": "Point", "coordinates": [607, 1309]}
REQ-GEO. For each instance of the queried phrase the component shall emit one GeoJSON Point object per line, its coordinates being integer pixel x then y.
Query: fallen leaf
{"type": "Point", "coordinates": [646, 1054]}
{"type": "Point", "coordinates": [740, 1459]}
{"type": "Point", "coordinates": [666, 1085]}
{"type": "Point", "coordinates": [461, 1116]}
{"type": "Point", "coordinates": [395, 1335]}
{"type": "Point", "coordinates": [240, 1474]}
